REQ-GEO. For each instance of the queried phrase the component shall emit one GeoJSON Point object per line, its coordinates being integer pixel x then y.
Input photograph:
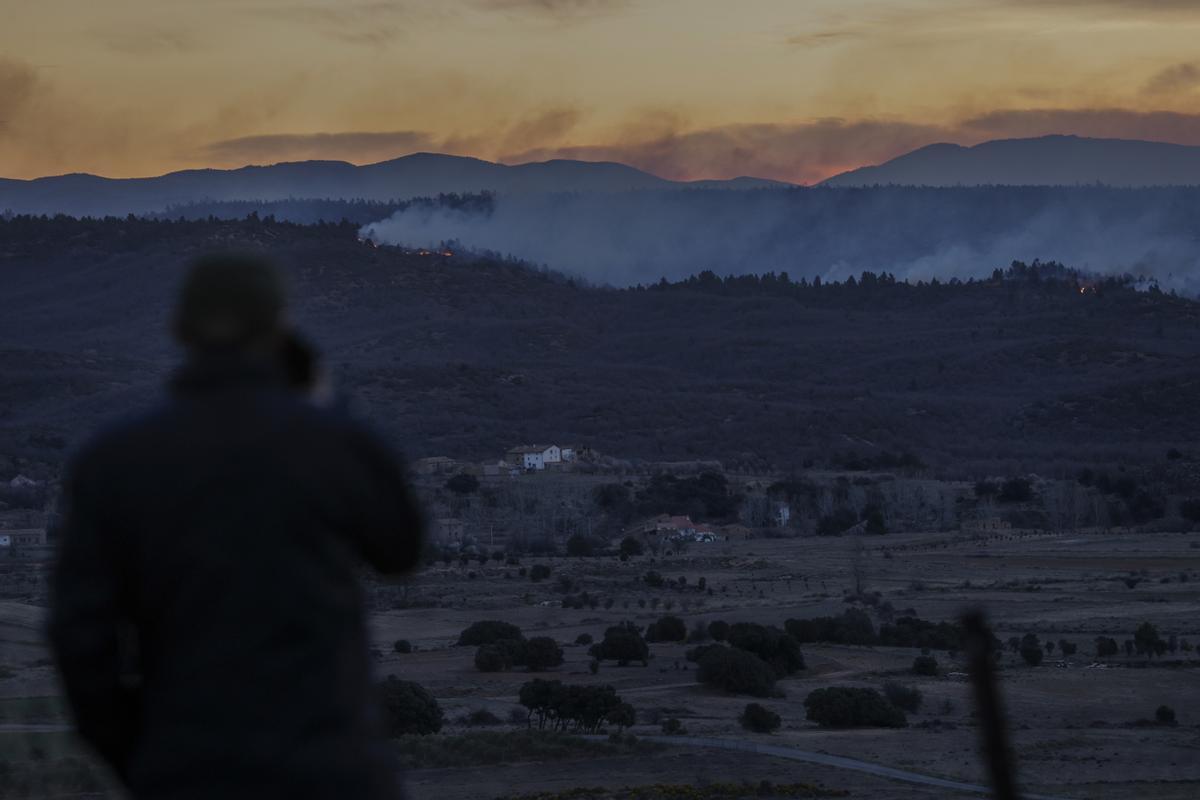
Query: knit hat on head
{"type": "Point", "coordinates": [229, 301]}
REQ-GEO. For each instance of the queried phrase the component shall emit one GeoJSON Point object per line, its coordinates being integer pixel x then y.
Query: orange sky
{"type": "Point", "coordinates": [791, 89]}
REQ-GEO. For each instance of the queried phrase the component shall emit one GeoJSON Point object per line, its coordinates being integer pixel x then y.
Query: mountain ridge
{"type": "Point", "coordinates": [414, 175]}
{"type": "Point", "coordinates": [1053, 160]}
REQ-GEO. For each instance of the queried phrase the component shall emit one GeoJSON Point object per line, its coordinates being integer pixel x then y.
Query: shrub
{"type": "Point", "coordinates": [854, 626]}
{"type": "Point", "coordinates": [482, 717]}
{"type": "Point", "coordinates": [580, 546]}
{"type": "Point", "coordinates": [408, 708]}
{"type": "Point", "coordinates": [778, 649]}
{"type": "Point", "coordinates": [542, 653]}
{"type": "Point", "coordinates": [759, 719]}
{"type": "Point", "coordinates": [622, 643]}
{"type": "Point", "coordinates": [463, 483]}
{"type": "Point", "coordinates": [1031, 649]}
{"type": "Point", "coordinates": [631, 546]}
{"type": "Point", "coordinates": [402, 646]}
{"type": "Point", "coordinates": [583, 708]}
{"type": "Point", "coordinates": [1106, 647]}
{"type": "Point", "coordinates": [490, 658]}
{"type": "Point", "coordinates": [1147, 641]}
{"type": "Point", "coordinates": [925, 665]}
{"type": "Point", "coordinates": [1164, 715]}
{"type": "Point", "coordinates": [1066, 648]}
{"type": "Point", "coordinates": [583, 638]}
{"type": "Point", "coordinates": [539, 572]}
{"type": "Point", "coordinates": [849, 707]}
{"type": "Point", "coordinates": [736, 671]}
{"type": "Point", "coordinates": [1015, 490]}
{"type": "Point", "coordinates": [489, 631]}
{"type": "Point", "coordinates": [653, 579]}
{"type": "Point", "coordinates": [903, 697]}
{"type": "Point", "coordinates": [673, 727]}
{"type": "Point", "coordinates": [719, 630]}
{"type": "Point", "coordinates": [668, 629]}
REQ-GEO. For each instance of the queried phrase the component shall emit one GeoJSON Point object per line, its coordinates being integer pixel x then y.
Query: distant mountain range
{"type": "Point", "coordinates": [1044, 161]}
{"type": "Point", "coordinates": [417, 175]}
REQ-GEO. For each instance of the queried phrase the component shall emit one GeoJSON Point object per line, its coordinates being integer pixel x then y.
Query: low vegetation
{"type": "Point", "coordinates": [851, 707]}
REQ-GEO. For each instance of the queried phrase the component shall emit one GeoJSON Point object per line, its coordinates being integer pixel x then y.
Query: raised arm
{"type": "Point", "coordinates": [391, 528]}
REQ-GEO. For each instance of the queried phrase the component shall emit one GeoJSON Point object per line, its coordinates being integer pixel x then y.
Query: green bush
{"type": "Point", "coordinates": [907, 698]}
{"type": "Point", "coordinates": [621, 643]}
{"type": "Point", "coordinates": [778, 649]}
{"type": "Point", "coordinates": [490, 658]}
{"type": "Point", "coordinates": [736, 671]}
{"type": "Point", "coordinates": [1031, 649]}
{"type": "Point", "coordinates": [542, 653]}
{"type": "Point", "coordinates": [669, 628]}
{"type": "Point", "coordinates": [408, 708]}
{"type": "Point", "coordinates": [925, 665]}
{"type": "Point", "coordinates": [402, 646]}
{"type": "Point", "coordinates": [1165, 715]}
{"type": "Point", "coordinates": [489, 631]}
{"type": "Point", "coordinates": [759, 719]}
{"type": "Point", "coordinates": [850, 707]}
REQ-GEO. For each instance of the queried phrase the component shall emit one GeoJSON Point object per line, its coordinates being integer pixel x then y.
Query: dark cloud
{"type": "Point", "coordinates": [18, 83]}
{"type": "Point", "coordinates": [824, 37]}
{"type": "Point", "coordinates": [1175, 78]}
{"type": "Point", "coordinates": [372, 23]}
{"type": "Point", "coordinates": [555, 8]}
{"type": "Point", "coordinates": [353, 146]}
{"type": "Point", "coordinates": [149, 41]}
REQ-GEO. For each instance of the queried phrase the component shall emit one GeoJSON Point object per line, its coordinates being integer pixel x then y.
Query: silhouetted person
{"type": "Point", "coordinates": [207, 615]}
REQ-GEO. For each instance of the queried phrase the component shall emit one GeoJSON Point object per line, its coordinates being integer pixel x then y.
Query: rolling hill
{"type": "Point", "coordinates": [465, 357]}
{"type": "Point", "coordinates": [417, 175]}
{"type": "Point", "coordinates": [1042, 161]}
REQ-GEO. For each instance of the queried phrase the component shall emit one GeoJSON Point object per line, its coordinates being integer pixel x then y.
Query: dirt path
{"type": "Point", "coordinates": [825, 759]}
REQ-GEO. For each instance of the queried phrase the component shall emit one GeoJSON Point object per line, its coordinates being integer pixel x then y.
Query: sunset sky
{"type": "Point", "coordinates": [790, 89]}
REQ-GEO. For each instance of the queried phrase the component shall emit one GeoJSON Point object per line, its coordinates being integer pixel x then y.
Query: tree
{"type": "Point", "coordinates": [1106, 647]}
{"type": "Point", "coordinates": [580, 546]}
{"type": "Point", "coordinates": [653, 579]}
{"type": "Point", "coordinates": [622, 643]}
{"type": "Point", "coordinates": [1015, 490]}
{"type": "Point", "coordinates": [1165, 715]}
{"type": "Point", "coordinates": [623, 716]}
{"type": "Point", "coordinates": [408, 708]}
{"type": "Point", "coordinates": [907, 698]}
{"type": "Point", "coordinates": [463, 483]}
{"type": "Point", "coordinates": [489, 631]}
{"type": "Point", "coordinates": [759, 719]}
{"type": "Point", "coordinates": [542, 653]}
{"type": "Point", "coordinates": [539, 572]}
{"type": "Point", "coordinates": [490, 658]}
{"type": "Point", "coordinates": [669, 628]}
{"type": "Point", "coordinates": [736, 671]}
{"type": "Point", "coordinates": [1066, 648]}
{"type": "Point", "coordinates": [851, 707]}
{"type": "Point", "coordinates": [778, 649]}
{"type": "Point", "coordinates": [631, 546]}
{"type": "Point", "coordinates": [1146, 639]}
{"type": "Point", "coordinates": [1031, 649]}
{"type": "Point", "coordinates": [925, 665]}
{"type": "Point", "coordinates": [718, 629]}
{"type": "Point", "coordinates": [402, 646]}
{"type": "Point", "coordinates": [584, 639]}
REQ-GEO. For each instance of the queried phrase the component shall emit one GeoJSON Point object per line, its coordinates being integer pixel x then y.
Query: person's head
{"type": "Point", "coordinates": [231, 304]}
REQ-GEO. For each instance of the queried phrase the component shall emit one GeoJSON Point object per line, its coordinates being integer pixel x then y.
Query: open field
{"type": "Point", "coordinates": [1072, 718]}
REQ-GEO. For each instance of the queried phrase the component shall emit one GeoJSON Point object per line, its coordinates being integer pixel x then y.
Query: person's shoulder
{"type": "Point", "coordinates": [118, 438]}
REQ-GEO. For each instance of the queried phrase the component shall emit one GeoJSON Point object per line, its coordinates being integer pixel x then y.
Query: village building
{"type": "Point", "coordinates": [447, 530]}
{"type": "Point", "coordinates": [23, 537]}
{"type": "Point", "coordinates": [435, 465]}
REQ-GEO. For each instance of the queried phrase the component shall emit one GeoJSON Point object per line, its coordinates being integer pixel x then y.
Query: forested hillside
{"type": "Point", "coordinates": [1033, 369]}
